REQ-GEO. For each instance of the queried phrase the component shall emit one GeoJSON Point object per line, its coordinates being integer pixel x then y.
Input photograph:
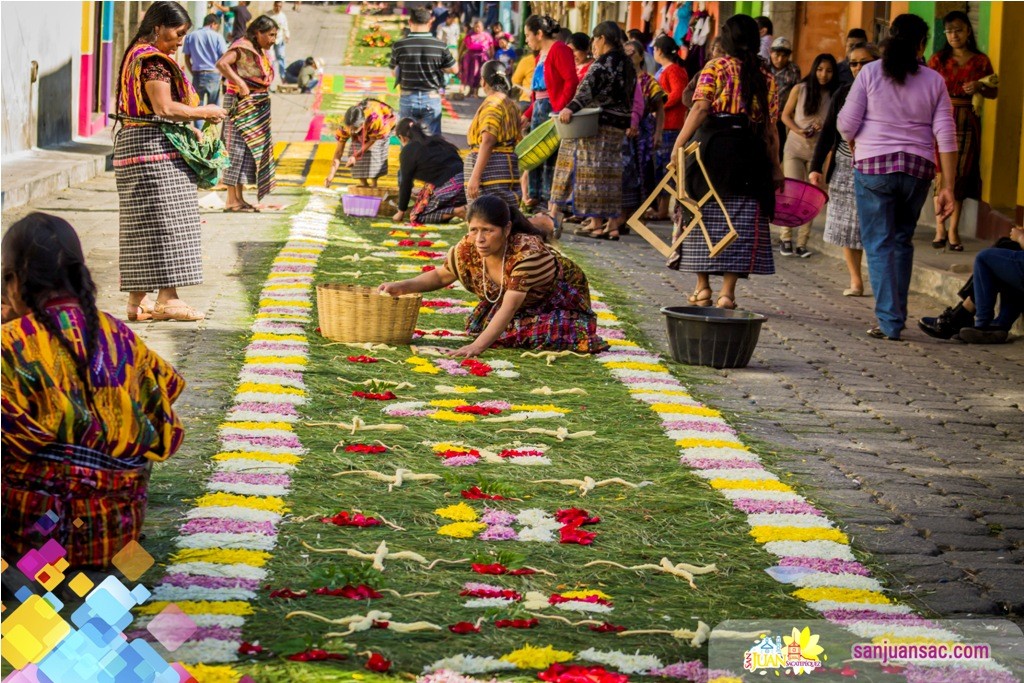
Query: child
{"type": "Point", "coordinates": [87, 406]}
{"type": "Point", "coordinates": [506, 54]}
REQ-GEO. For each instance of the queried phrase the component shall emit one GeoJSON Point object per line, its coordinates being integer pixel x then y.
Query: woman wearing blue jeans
{"type": "Point", "coordinates": [893, 116]}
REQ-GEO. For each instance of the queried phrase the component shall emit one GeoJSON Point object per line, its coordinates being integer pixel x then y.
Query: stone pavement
{"type": "Point", "coordinates": [918, 447]}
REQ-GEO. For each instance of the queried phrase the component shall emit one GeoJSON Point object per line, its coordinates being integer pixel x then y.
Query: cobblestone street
{"type": "Point", "coordinates": [917, 446]}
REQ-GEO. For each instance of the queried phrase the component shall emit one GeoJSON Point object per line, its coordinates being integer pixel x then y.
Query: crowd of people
{"type": "Point", "coordinates": [876, 129]}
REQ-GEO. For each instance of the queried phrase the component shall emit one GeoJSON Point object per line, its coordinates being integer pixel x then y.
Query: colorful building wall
{"type": "Point", "coordinates": [95, 66]}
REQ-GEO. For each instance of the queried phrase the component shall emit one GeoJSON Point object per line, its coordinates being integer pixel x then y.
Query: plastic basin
{"type": "Point", "coordinates": [356, 205]}
{"type": "Point", "coordinates": [798, 203]}
{"type": "Point", "coordinates": [583, 124]}
{"type": "Point", "coordinates": [714, 337]}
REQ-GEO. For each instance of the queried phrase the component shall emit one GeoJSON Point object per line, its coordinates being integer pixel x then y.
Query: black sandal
{"type": "Point", "coordinates": [956, 247]}
{"type": "Point", "coordinates": [939, 244]}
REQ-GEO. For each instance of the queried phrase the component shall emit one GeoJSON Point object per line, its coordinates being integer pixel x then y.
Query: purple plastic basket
{"type": "Point", "coordinates": [355, 205]}
{"type": "Point", "coordinates": [798, 203]}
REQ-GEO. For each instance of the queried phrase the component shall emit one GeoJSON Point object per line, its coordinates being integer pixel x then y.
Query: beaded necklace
{"type": "Point", "coordinates": [483, 277]}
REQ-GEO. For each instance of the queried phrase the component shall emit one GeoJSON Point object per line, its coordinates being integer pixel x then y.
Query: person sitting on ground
{"type": "Point", "coordinates": [530, 295]}
{"type": "Point", "coordinates": [302, 73]}
{"type": "Point", "coordinates": [87, 407]}
{"type": "Point", "coordinates": [371, 122]}
{"type": "Point", "coordinates": [436, 162]}
{"type": "Point", "coordinates": [999, 279]}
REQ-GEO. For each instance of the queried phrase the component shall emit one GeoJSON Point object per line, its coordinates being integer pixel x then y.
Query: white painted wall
{"type": "Point", "coordinates": [49, 33]}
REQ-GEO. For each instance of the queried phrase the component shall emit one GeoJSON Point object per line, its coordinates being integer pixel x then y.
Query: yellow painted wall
{"type": "Point", "coordinates": [1002, 165]}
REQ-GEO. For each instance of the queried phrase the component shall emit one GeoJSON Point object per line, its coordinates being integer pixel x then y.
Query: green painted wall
{"type": "Point", "coordinates": [936, 39]}
{"type": "Point", "coordinates": [984, 22]}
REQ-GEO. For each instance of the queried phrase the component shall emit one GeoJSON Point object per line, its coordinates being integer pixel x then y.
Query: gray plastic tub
{"type": "Point", "coordinates": [583, 124]}
{"type": "Point", "coordinates": [715, 337]}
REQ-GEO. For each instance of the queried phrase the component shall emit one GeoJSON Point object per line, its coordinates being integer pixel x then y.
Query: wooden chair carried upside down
{"type": "Point", "coordinates": [674, 184]}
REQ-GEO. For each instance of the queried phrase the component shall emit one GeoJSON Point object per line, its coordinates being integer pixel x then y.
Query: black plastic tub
{"type": "Point", "coordinates": [715, 337]}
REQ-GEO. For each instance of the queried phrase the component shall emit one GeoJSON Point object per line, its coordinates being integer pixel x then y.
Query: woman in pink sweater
{"type": "Point", "coordinates": [896, 112]}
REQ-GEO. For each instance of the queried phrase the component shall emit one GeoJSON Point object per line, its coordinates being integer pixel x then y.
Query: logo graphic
{"type": "Point", "coordinates": [797, 653]}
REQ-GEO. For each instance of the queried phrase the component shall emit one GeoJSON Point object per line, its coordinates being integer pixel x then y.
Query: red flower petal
{"type": "Point", "coordinates": [495, 568]}
{"type": "Point", "coordinates": [464, 627]}
{"type": "Point", "coordinates": [345, 518]}
{"type": "Point", "coordinates": [362, 359]}
{"type": "Point", "coordinates": [476, 493]}
{"type": "Point", "coordinates": [574, 673]}
{"type": "Point", "coordinates": [406, 243]}
{"type": "Point", "coordinates": [366, 448]}
{"type": "Point", "coordinates": [606, 627]}
{"type": "Point", "coordinates": [427, 269]}
{"type": "Point", "coordinates": [516, 623]}
{"type": "Point", "coordinates": [315, 655]}
{"type": "Point", "coordinates": [247, 648]}
{"type": "Point", "coordinates": [377, 663]}
{"type": "Point", "coordinates": [370, 396]}
{"type": "Point", "coordinates": [288, 594]}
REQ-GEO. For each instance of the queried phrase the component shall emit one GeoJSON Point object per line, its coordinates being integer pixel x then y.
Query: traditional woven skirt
{"type": "Point", "coordinates": [500, 177]}
{"type": "Point", "coordinates": [374, 163]}
{"type": "Point", "coordinates": [968, 143]}
{"type": "Point", "coordinates": [242, 170]}
{"type": "Point", "coordinates": [749, 254]}
{"type": "Point", "coordinates": [663, 155]}
{"type": "Point", "coordinates": [436, 205]}
{"type": "Point", "coordinates": [76, 483]}
{"type": "Point", "coordinates": [588, 174]}
{"type": "Point", "coordinates": [842, 227]}
{"type": "Point", "coordinates": [469, 73]}
{"type": "Point", "coordinates": [632, 176]}
{"type": "Point", "coordinates": [160, 240]}
{"type": "Point", "coordinates": [562, 321]}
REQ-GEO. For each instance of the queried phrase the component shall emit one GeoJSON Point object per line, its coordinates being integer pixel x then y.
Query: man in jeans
{"type": "Point", "coordinates": [202, 50]}
{"type": "Point", "coordinates": [420, 62]}
{"type": "Point", "coordinates": [283, 36]}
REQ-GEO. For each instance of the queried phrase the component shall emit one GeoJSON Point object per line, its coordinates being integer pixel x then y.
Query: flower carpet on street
{"type": "Point", "coordinates": [379, 508]}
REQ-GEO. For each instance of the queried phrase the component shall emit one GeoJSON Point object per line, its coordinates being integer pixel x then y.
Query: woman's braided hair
{"type": "Point", "coordinates": [45, 256]}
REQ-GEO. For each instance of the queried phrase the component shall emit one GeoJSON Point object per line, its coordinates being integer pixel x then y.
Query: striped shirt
{"type": "Point", "coordinates": [498, 115]}
{"type": "Point", "coordinates": [421, 60]}
{"type": "Point", "coordinates": [530, 267]}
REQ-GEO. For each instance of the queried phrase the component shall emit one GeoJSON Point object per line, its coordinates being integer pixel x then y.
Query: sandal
{"type": "Point", "coordinates": [141, 312]}
{"type": "Point", "coordinates": [604, 235]}
{"type": "Point", "coordinates": [177, 312]}
{"type": "Point", "coordinates": [939, 244]}
{"type": "Point", "coordinates": [703, 301]}
{"type": "Point", "coordinates": [583, 231]}
{"type": "Point", "coordinates": [731, 305]}
{"type": "Point", "coordinates": [242, 208]}
{"type": "Point", "coordinates": [956, 247]}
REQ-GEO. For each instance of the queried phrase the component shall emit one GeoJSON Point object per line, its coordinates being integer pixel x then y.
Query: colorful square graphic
{"type": "Point", "coordinates": [132, 560]}
{"type": "Point", "coordinates": [31, 632]}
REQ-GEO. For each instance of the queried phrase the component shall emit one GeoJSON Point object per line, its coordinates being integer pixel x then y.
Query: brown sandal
{"type": "Point", "coordinates": [731, 306]}
{"type": "Point", "coordinates": [176, 312]}
{"type": "Point", "coordinates": [141, 312]}
{"type": "Point", "coordinates": [696, 299]}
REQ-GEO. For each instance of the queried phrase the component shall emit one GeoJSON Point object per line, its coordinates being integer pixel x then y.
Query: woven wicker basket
{"type": "Point", "coordinates": [349, 313]}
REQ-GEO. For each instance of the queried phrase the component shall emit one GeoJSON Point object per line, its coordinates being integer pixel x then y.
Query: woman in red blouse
{"type": "Point", "coordinates": [963, 66]}
{"type": "Point", "coordinates": [553, 85]}
{"type": "Point", "coordinates": [673, 80]}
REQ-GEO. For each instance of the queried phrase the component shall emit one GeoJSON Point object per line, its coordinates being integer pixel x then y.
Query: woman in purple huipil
{"type": "Point", "coordinates": [896, 112]}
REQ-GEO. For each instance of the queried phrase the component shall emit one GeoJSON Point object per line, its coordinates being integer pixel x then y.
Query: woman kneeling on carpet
{"type": "Point", "coordinates": [530, 295]}
{"type": "Point", "coordinates": [86, 406]}
{"type": "Point", "coordinates": [436, 163]}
